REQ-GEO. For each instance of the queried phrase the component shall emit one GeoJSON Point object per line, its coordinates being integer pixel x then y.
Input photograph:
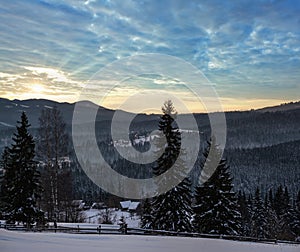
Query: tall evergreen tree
{"type": "Point", "coordinates": [245, 213]}
{"type": "Point", "coordinates": [216, 209]}
{"type": "Point", "coordinates": [3, 188]}
{"type": "Point", "coordinates": [21, 186]}
{"type": "Point", "coordinates": [271, 198]}
{"type": "Point", "coordinates": [172, 210]}
{"type": "Point", "coordinates": [281, 201]}
{"type": "Point", "coordinates": [271, 216]}
{"type": "Point", "coordinates": [250, 211]}
{"type": "Point", "coordinates": [297, 201]}
{"type": "Point", "coordinates": [147, 218]}
{"type": "Point", "coordinates": [259, 222]}
{"type": "Point", "coordinates": [287, 218]}
{"type": "Point", "coordinates": [295, 221]}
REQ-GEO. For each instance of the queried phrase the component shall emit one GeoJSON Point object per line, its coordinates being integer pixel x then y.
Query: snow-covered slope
{"type": "Point", "coordinates": [48, 242]}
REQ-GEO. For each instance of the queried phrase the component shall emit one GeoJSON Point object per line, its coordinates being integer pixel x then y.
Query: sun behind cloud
{"type": "Point", "coordinates": [37, 88]}
{"type": "Point", "coordinates": [248, 49]}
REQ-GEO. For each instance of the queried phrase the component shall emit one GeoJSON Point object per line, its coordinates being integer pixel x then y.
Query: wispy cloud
{"type": "Point", "coordinates": [54, 75]}
{"type": "Point", "coordinates": [39, 82]}
{"type": "Point", "coordinates": [249, 49]}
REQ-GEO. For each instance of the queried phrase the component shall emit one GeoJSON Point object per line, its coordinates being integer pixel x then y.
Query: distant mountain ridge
{"type": "Point", "coordinates": [10, 110]}
{"type": "Point", "coordinates": [245, 129]}
{"type": "Point", "coordinates": [262, 147]}
{"type": "Point", "coordinates": [281, 107]}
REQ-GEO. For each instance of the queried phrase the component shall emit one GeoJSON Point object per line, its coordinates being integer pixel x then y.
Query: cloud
{"type": "Point", "coordinates": [39, 82]}
{"type": "Point", "coordinates": [245, 47]}
{"type": "Point", "coordinates": [54, 75]}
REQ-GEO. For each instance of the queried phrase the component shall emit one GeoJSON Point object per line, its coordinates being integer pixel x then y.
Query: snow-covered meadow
{"type": "Point", "coordinates": [11, 241]}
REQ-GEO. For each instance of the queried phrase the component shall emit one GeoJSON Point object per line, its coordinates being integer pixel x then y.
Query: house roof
{"type": "Point", "coordinates": [134, 205]}
{"type": "Point", "coordinates": [78, 203]}
{"type": "Point", "coordinates": [131, 205]}
{"type": "Point", "coordinates": [125, 204]}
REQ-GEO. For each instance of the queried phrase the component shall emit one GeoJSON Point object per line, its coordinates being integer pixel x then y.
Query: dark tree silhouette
{"type": "Point", "coordinates": [216, 209]}
{"type": "Point", "coordinates": [21, 183]}
{"type": "Point", "coordinates": [172, 210]}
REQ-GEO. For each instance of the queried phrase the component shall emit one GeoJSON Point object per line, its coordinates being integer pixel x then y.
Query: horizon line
{"type": "Point", "coordinates": [204, 112]}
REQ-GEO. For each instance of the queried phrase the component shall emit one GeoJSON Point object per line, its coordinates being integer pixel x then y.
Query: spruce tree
{"type": "Point", "coordinates": [297, 201]}
{"type": "Point", "coordinates": [245, 214]}
{"type": "Point", "coordinates": [259, 224]}
{"type": "Point", "coordinates": [147, 218]}
{"type": "Point", "coordinates": [271, 198]}
{"type": "Point", "coordinates": [271, 216]}
{"type": "Point", "coordinates": [295, 221]}
{"type": "Point", "coordinates": [280, 201]}
{"type": "Point", "coordinates": [216, 209]}
{"type": "Point", "coordinates": [250, 211]}
{"type": "Point", "coordinates": [172, 210]}
{"type": "Point", "coordinates": [287, 218]}
{"type": "Point", "coordinates": [21, 184]}
{"type": "Point", "coordinates": [3, 188]}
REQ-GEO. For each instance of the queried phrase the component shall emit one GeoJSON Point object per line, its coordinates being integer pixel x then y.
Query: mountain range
{"type": "Point", "coordinates": [262, 147]}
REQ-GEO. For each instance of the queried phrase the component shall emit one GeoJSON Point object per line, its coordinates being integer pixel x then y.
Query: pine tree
{"type": "Point", "coordinates": [216, 209]}
{"type": "Point", "coordinates": [250, 211]}
{"type": "Point", "coordinates": [245, 214]}
{"type": "Point", "coordinates": [271, 216]}
{"type": "Point", "coordinates": [295, 220]}
{"type": "Point", "coordinates": [297, 201]}
{"type": "Point", "coordinates": [259, 224]}
{"type": "Point", "coordinates": [280, 201]}
{"type": "Point", "coordinates": [21, 185]}
{"type": "Point", "coordinates": [287, 217]}
{"type": "Point", "coordinates": [4, 162]}
{"type": "Point", "coordinates": [271, 198]}
{"type": "Point", "coordinates": [172, 210]}
{"type": "Point", "coordinates": [286, 198]}
{"type": "Point", "coordinates": [147, 218]}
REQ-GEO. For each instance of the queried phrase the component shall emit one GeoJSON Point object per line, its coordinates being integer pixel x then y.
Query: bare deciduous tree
{"type": "Point", "coordinates": [52, 147]}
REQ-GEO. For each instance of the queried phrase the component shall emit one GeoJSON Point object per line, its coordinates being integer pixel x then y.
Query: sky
{"type": "Point", "coordinates": [248, 50]}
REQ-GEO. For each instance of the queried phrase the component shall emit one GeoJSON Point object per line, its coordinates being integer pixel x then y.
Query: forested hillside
{"type": "Point", "coordinates": [262, 148]}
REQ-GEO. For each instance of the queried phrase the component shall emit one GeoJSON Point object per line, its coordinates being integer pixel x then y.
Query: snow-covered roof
{"type": "Point", "coordinates": [77, 203]}
{"type": "Point", "coordinates": [125, 204]}
{"type": "Point", "coordinates": [134, 205]}
{"type": "Point", "coordinates": [98, 204]}
{"type": "Point", "coordinates": [130, 205]}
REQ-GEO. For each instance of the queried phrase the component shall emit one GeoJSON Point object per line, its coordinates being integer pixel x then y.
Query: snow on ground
{"type": "Point", "coordinates": [48, 107]}
{"type": "Point", "coordinates": [92, 216]}
{"type": "Point", "coordinates": [132, 220]}
{"type": "Point", "coordinates": [6, 124]}
{"type": "Point", "coordinates": [92, 219]}
{"type": "Point", "coordinates": [24, 106]}
{"type": "Point", "coordinates": [11, 241]}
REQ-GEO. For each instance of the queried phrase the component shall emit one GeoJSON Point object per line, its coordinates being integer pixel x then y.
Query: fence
{"type": "Point", "coordinates": [124, 230]}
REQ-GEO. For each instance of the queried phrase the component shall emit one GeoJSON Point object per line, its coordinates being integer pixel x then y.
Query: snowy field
{"type": "Point", "coordinates": [11, 241]}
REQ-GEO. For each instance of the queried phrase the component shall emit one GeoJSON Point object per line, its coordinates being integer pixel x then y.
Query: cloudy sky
{"type": "Point", "coordinates": [248, 50]}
